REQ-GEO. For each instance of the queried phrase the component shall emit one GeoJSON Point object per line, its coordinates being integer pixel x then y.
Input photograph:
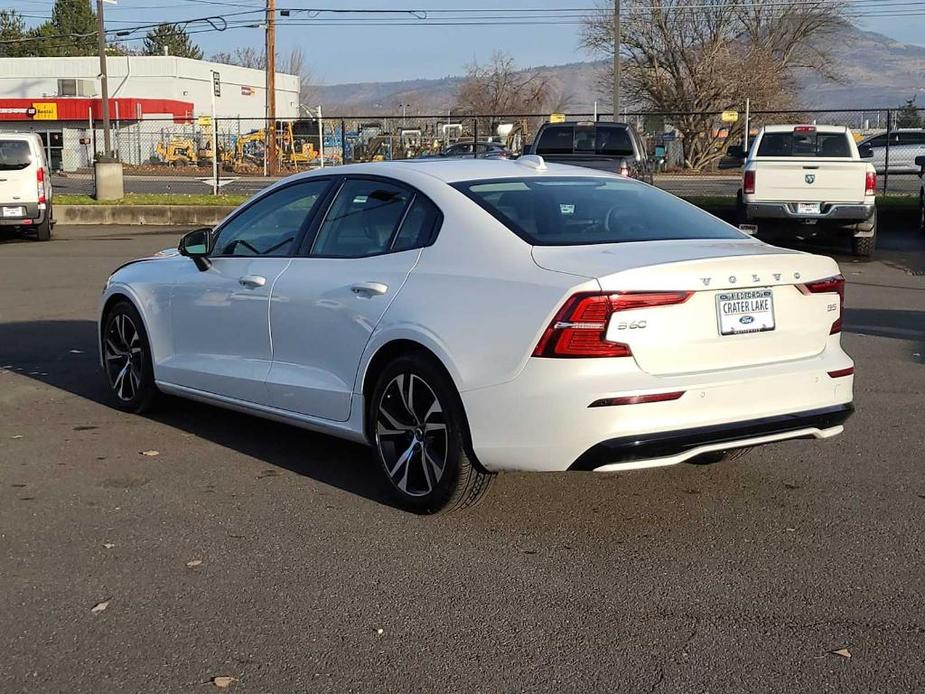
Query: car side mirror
{"type": "Point", "coordinates": [736, 152]}
{"type": "Point", "coordinates": [527, 149]}
{"type": "Point", "coordinates": [197, 245]}
{"type": "Point", "coordinates": [866, 152]}
{"type": "Point", "coordinates": [920, 162]}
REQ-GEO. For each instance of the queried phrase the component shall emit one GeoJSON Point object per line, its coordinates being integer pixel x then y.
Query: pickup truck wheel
{"type": "Point", "coordinates": [863, 246]}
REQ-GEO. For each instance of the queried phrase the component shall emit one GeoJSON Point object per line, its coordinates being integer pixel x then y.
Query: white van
{"type": "Point", "coordinates": [25, 185]}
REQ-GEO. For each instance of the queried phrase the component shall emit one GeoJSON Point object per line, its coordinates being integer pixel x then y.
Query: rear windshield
{"type": "Point", "coordinates": [579, 211]}
{"type": "Point", "coordinates": [14, 154]}
{"type": "Point", "coordinates": [804, 144]}
{"type": "Point", "coordinates": [606, 140]}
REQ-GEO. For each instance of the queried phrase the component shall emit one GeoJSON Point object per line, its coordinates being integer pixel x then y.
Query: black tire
{"type": "Point", "coordinates": [127, 359]}
{"type": "Point", "coordinates": [43, 230]}
{"type": "Point", "coordinates": [863, 246]}
{"type": "Point", "coordinates": [414, 418]}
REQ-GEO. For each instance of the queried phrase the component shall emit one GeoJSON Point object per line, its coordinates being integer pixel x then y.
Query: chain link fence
{"type": "Point", "coordinates": [686, 149]}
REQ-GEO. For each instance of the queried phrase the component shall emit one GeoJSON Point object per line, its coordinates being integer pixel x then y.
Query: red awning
{"type": "Point", "coordinates": [79, 109]}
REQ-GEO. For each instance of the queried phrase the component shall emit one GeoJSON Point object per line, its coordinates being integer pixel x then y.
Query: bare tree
{"type": "Point", "coordinates": [694, 60]}
{"type": "Point", "coordinates": [499, 89]}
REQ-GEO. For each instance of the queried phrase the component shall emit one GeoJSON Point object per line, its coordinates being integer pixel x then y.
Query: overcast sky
{"type": "Point", "coordinates": [352, 53]}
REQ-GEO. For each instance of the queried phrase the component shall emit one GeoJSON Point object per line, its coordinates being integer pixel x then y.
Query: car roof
{"type": "Point", "coordinates": [819, 128]}
{"type": "Point", "coordinates": [455, 170]}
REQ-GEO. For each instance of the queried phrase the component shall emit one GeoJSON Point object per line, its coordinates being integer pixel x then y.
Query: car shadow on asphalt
{"type": "Point", "coordinates": [63, 354]}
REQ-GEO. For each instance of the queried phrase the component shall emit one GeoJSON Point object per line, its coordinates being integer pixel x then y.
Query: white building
{"type": "Point", "coordinates": [152, 98]}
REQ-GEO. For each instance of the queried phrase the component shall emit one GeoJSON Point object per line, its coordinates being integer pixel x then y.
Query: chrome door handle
{"type": "Point", "coordinates": [369, 289]}
{"type": "Point", "coordinates": [252, 281]}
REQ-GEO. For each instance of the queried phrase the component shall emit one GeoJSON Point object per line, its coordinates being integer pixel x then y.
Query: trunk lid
{"type": "Point", "coordinates": [688, 337]}
{"type": "Point", "coordinates": [817, 180]}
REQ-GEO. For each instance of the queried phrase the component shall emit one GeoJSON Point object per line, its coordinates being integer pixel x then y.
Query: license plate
{"type": "Point", "coordinates": [14, 212]}
{"type": "Point", "coordinates": [809, 207]}
{"type": "Point", "coordinates": [745, 311]}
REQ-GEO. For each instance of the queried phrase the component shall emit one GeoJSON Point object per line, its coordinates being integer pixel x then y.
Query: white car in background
{"type": "Point", "coordinates": [905, 144]}
{"type": "Point", "coordinates": [465, 317]}
{"type": "Point", "coordinates": [25, 185]}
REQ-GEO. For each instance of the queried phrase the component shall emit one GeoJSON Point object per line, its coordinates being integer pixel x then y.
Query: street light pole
{"type": "Point", "coordinates": [616, 60]}
{"type": "Point", "coordinates": [104, 82]}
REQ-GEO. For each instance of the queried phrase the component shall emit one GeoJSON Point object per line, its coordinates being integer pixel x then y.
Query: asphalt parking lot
{"type": "Point", "coordinates": [246, 549]}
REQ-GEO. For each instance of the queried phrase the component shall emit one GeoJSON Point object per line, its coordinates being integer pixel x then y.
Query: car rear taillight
{"type": "Point", "coordinates": [841, 373]}
{"type": "Point", "coordinates": [870, 183]}
{"type": "Point", "coordinates": [833, 285]}
{"type": "Point", "coordinates": [748, 183]}
{"type": "Point", "coordinates": [40, 184]}
{"type": "Point", "coordinates": [579, 329]}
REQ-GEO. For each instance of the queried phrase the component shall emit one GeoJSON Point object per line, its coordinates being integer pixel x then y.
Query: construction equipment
{"type": "Point", "coordinates": [177, 152]}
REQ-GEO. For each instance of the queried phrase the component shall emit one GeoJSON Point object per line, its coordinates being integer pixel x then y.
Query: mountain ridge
{"type": "Point", "coordinates": [877, 72]}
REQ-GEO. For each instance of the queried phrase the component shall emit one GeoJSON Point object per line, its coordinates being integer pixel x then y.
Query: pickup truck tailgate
{"type": "Point", "coordinates": [785, 180]}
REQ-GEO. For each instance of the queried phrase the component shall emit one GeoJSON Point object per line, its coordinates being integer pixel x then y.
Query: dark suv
{"type": "Point", "coordinates": [613, 147]}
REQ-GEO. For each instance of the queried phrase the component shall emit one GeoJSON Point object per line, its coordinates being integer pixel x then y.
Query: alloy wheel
{"type": "Point", "coordinates": [411, 435]}
{"type": "Point", "coordinates": [124, 356]}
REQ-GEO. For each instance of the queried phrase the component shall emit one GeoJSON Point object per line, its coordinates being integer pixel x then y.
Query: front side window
{"type": "Point", "coordinates": [579, 211]}
{"type": "Point", "coordinates": [270, 226]}
{"type": "Point", "coordinates": [362, 220]}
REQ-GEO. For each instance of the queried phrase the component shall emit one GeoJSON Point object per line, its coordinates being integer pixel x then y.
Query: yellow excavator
{"type": "Point", "coordinates": [178, 152]}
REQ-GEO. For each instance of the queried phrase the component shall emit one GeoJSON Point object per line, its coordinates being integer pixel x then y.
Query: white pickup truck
{"type": "Point", "coordinates": [810, 175]}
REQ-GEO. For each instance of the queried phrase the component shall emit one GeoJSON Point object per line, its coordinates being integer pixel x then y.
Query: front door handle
{"type": "Point", "coordinates": [369, 289]}
{"type": "Point", "coordinates": [252, 281]}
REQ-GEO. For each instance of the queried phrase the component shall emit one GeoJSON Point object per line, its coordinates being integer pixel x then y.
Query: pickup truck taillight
{"type": "Point", "coordinates": [870, 183]}
{"type": "Point", "coordinates": [748, 183]}
{"type": "Point", "coordinates": [40, 184]}
{"type": "Point", "coordinates": [830, 285]}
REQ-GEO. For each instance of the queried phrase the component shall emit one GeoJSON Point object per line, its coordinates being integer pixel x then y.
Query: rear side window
{"type": "Point", "coordinates": [804, 144]}
{"type": "Point", "coordinates": [418, 227]}
{"type": "Point", "coordinates": [581, 211]}
{"type": "Point", "coordinates": [14, 155]}
{"type": "Point", "coordinates": [362, 220]}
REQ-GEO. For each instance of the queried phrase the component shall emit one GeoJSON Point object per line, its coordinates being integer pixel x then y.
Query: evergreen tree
{"type": "Point", "coordinates": [12, 35]}
{"type": "Point", "coordinates": [908, 115]}
{"type": "Point", "coordinates": [174, 38]}
{"type": "Point", "coordinates": [75, 23]}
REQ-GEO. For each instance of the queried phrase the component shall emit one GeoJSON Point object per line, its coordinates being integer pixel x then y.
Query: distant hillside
{"type": "Point", "coordinates": [875, 70]}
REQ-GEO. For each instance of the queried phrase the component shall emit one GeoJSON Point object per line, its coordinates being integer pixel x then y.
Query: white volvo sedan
{"type": "Point", "coordinates": [468, 317]}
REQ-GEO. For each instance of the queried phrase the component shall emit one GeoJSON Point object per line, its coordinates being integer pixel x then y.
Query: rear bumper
{"type": "Point", "coordinates": [668, 447]}
{"type": "Point", "coordinates": [34, 214]}
{"type": "Point", "coordinates": [541, 420]}
{"type": "Point", "coordinates": [834, 211]}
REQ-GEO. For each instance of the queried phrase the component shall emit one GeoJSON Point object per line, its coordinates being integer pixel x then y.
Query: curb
{"type": "Point", "coordinates": [161, 215]}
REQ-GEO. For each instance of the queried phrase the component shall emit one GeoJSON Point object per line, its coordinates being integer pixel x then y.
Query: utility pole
{"type": "Point", "coordinates": [616, 60]}
{"type": "Point", "coordinates": [271, 154]}
{"type": "Point", "coordinates": [104, 82]}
